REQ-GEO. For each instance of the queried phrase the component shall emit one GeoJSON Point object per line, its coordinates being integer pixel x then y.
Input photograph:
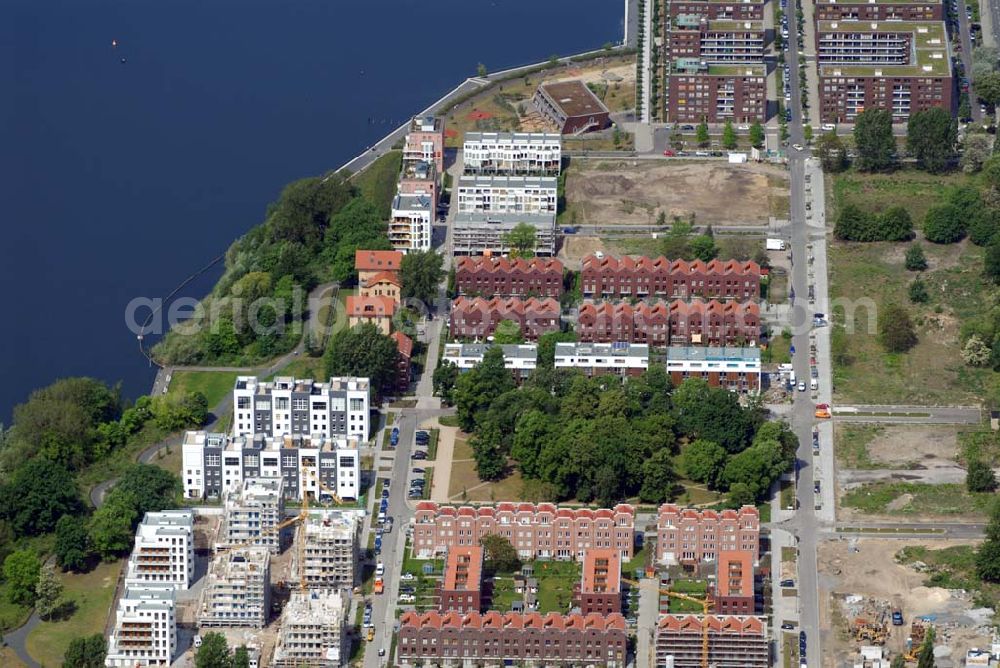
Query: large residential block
{"type": "Point", "coordinates": [571, 107]}
{"type": "Point", "coordinates": [879, 10]}
{"type": "Point", "coordinates": [724, 10]}
{"type": "Point", "coordinates": [716, 41]}
{"type": "Point", "coordinates": [477, 318]}
{"type": "Point", "coordinates": [600, 587]}
{"type": "Point", "coordinates": [461, 588]}
{"type": "Point", "coordinates": [688, 536]}
{"type": "Point", "coordinates": [338, 408]}
{"type": "Point", "coordinates": [736, 369]}
{"type": "Point", "coordinates": [145, 631]}
{"type": "Point", "coordinates": [253, 509]}
{"type": "Point", "coordinates": [733, 592]}
{"type": "Point", "coordinates": [484, 233]}
{"type": "Point", "coordinates": [237, 589]}
{"type": "Point", "coordinates": [425, 142]}
{"type": "Point", "coordinates": [521, 359]}
{"type": "Point", "coordinates": [542, 531]}
{"type": "Point", "coordinates": [313, 465]}
{"type": "Point", "coordinates": [732, 641]}
{"type": "Point", "coordinates": [594, 359]}
{"type": "Point", "coordinates": [506, 194]}
{"type": "Point", "coordinates": [410, 222]}
{"type": "Point", "coordinates": [901, 66]}
{"type": "Point", "coordinates": [163, 553]}
{"type": "Point", "coordinates": [716, 93]}
{"type": "Point", "coordinates": [312, 630]}
{"type": "Point", "coordinates": [502, 277]}
{"type": "Point", "coordinates": [609, 277]}
{"type": "Point", "coordinates": [512, 153]}
{"type": "Point", "coordinates": [453, 638]}
{"type": "Point", "coordinates": [670, 323]}
{"type": "Point", "coordinates": [331, 556]}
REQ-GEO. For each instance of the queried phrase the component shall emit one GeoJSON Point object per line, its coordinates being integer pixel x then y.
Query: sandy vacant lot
{"type": "Point", "coordinates": [633, 192]}
{"type": "Point", "coordinates": [867, 567]}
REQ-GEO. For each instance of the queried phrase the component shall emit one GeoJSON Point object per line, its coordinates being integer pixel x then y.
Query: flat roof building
{"type": "Point", "coordinates": [145, 631]}
{"type": "Point", "coordinates": [600, 587]}
{"type": "Point", "coordinates": [732, 641]}
{"type": "Point", "coordinates": [411, 220]}
{"type": "Point", "coordinates": [163, 553]}
{"type": "Point", "coordinates": [237, 590]}
{"type": "Point", "coordinates": [733, 592]}
{"type": "Point", "coordinates": [521, 359]}
{"type": "Point", "coordinates": [485, 233]}
{"type": "Point", "coordinates": [879, 10]}
{"type": "Point", "coordinates": [571, 107]}
{"type": "Point", "coordinates": [331, 550]}
{"type": "Point", "coordinates": [253, 508]}
{"type": "Point", "coordinates": [512, 153]}
{"type": "Point", "coordinates": [461, 588]}
{"type": "Point", "coordinates": [506, 194]}
{"type": "Point", "coordinates": [425, 141]}
{"type": "Point", "coordinates": [734, 368]}
{"type": "Point", "coordinates": [312, 630]}
{"type": "Point", "coordinates": [726, 10]}
{"type": "Point", "coordinates": [594, 359]}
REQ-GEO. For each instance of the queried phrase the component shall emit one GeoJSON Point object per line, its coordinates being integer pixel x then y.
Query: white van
{"type": "Point", "coordinates": [813, 384]}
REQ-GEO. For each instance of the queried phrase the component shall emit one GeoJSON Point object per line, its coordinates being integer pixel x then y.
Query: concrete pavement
{"type": "Point", "coordinates": [909, 414]}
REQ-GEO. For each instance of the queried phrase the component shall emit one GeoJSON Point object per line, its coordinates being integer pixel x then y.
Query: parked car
{"type": "Point", "coordinates": [407, 577]}
{"type": "Point", "coordinates": [802, 386]}
{"type": "Point", "coordinates": [407, 598]}
{"type": "Point", "coordinates": [418, 471]}
{"type": "Point", "coordinates": [669, 153]}
{"type": "Point", "coordinates": [788, 626]}
{"type": "Point", "coordinates": [419, 454]}
{"type": "Point", "coordinates": [787, 583]}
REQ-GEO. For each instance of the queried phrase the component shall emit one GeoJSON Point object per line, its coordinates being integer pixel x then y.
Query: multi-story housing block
{"type": "Point", "coordinates": [688, 536]}
{"type": "Point", "coordinates": [494, 638]}
{"type": "Point", "coordinates": [313, 465]}
{"type": "Point", "coordinates": [253, 509]}
{"type": "Point", "coordinates": [718, 10]}
{"type": "Point", "coordinates": [732, 641]}
{"type": "Point", "coordinates": [503, 277]}
{"type": "Point", "coordinates": [594, 359]}
{"type": "Point", "coordinates": [404, 355]}
{"type": "Point", "coordinates": [163, 553]}
{"type": "Point", "coordinates": [425, 142]}
{"type": "Point", "coordinates": [237, 590]}
{"type": "Point", "coordinates": [675, 323]}
{"type": "Point", "coordinates": [378, 311]}
{"type": "Point", "coordinates": [716, 41]}
{"type": "Point", "coordinates": [608, 277]}
{"type": "Point", "coordinates": [521, 359]}
{"type": "Point", "coordinates": [736, 369]}
{"type": "Point", "coordinates": [600, 587]}
{"type": "Point", "coordinates": [900, 66]}
{"type": "Point", "coordinates": [411, 222]}
{"type": "Point", "coordinates": [461, 588]}
{"type": "Point", "coordinates": [331, 557]}
{"type": "Point", "coordinates": [338, 408]}
{"type": "Point", "coordinates": [512, 153]}
{"type": "Point", "coordinates": [419, 178]}
{"type": "Point", "coordinates": [715, 93]}
{"type": "Point", "coordinates": [477, 318]}
{"type": "Point", "coordinates": [879, 10]}
{"type": "Point", "coordinates": [506, 194]}
{"type": "Point", "coordinates": [733, 591]}
{"type": "Point", "coordinates": [536, 531]}
{"type": "Point", "coordinates": [481, 233]}
{"type": "Point", "coordinates": [571, 107]}
{"type": "Point", "coordinates": [312, 630]}
{"type": "Point", "coordinates": [145, 631]}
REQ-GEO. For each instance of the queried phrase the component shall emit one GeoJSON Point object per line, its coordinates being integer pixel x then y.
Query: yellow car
{"type": "Point", "coordinates": [371, 633]}
{"type": "Point", "coordinates": [823, 413]}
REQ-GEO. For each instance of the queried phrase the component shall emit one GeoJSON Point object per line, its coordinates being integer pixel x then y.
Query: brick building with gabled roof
{"type": "Point", "coordinates": [377, 310]}
{"type": "Point", "coordinates": [675, 323]}
{"type": "Point", "coordinates": [504, 277]}
{"type": "Point", "coordinates": [689, 536]}
{"type": "Point", "coordinates": [404, 354]}
{"type": "Point", "coordinates": [732, 641]}
{"type": "Point", "coordinates": [610, 277]}
{"type": "Point", "coordinates": [733, 591]}
{"type": "Point", "coordinates": [477, 318]}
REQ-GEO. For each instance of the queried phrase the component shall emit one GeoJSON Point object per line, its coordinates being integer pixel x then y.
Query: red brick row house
{"type": "Point", "coordinates": [642, 277]}
{"type": "Point", "coordinates": [543, 531]}
{"type": "Point", "coordinates": [477, 317]}
{"type": "Point", "coordinates": [503, 277]}
{"type": "Point", "coordinates": [675, 323]}
{"type": "Point", "coordinates": [433, 638]}
{"type": "Point", "coordinates": [404, 355]}
{"type": "Point", "coordinates": [733, 640]}
{"type": "Point", "coordinates": [689, 536]}
{"type": "Point", "coordinates": [600, 587]}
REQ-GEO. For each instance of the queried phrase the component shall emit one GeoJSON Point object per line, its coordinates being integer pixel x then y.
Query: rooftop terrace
{"type": "Point", "coordinates": [929, 55]}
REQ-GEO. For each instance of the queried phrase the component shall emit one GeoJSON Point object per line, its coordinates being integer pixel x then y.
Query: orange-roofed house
{"type": "Point", "coordinates": [461, 588]}
{"type": "Point", "coordinates": [404, 355]}
{"type": "Point", "coordinates": [600, 586]}
{"type": "Point", "coordinates": [382, 284]}
{"type": "Point", "coordinates": [734, 641]}
{"type": "Point", "coordinates": [370, 263]}
{"type": "Point", "coordinates": [505, 277]}
{"type": "Point", "coordinates": [608, 277]}
{"type": "Point", "coordinates": [734, 583]}
{"type": "Point", "coordinates": [376, 310]}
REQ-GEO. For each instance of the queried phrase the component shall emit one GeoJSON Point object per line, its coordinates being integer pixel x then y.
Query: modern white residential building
{"type": "Point", "coordinates": [410, 224]}
{"type": "Point", "coordinates": [735, 368]}
{"type": "Point", "coordinates": [512, 153]}
{"type": "Point", "coordinates": [506, 194]}
{"type": "Point", "coordinates": [164, 550]}
{"type": "Point", "coordinates": [254, 507]}
{"type": "Point", "coordinates": [623, 359]}
{"type": "Point", "coordinates": [312, 630]}
{"type": "Point", "coordinates": [331, 551]}
{"type": "Point", "coordinates": [287, 405]}
{"type": "Point", "coordinates": [145, 632]}
{"type": "Point", "coordinates": [237, 590]}
{"type": "Point", "coordinates": [315, 465]}
{"type": "Point", "coordinates": [521, 359]}
{"type": "Point", "coordinates": [481, 233]}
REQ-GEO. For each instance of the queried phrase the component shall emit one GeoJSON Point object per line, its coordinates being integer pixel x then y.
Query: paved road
{"type": "Point", "coordinates": [966, 56]}
{"type": "Point", "coordinates": [992, 7]}
{"type": "Point", "coordinates": [909, 414]}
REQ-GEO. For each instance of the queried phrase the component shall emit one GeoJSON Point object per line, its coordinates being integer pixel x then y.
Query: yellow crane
{"type": "Point", "coordinates": [705, 603]}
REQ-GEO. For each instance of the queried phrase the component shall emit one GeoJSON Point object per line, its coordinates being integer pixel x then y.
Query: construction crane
{"type": "Point", "coordinates": [705, 603]}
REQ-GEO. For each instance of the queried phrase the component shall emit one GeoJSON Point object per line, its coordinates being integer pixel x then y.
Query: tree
{"type": "Point", "coordinates": [988, 555]}
{"type": "Point", "coordinates": [729, 135]}
{"type": "Point", "coordinates": [701, 134]}
{"type": "Point", "coordinates": [72, 547]}
{"type": "Point", "coordinates": [894, 224]}
{"type": "Point", "coordinates": [757, 135]}
{"type": "Point", "coordinates": [481, 70]}
{"type": "Point", "coordinates": [507, 332]}
{"type": "Point", "coordinates": [21, 571]}
{"type": "Point", "coordinates": [38, 494]}
{"type": "Point", "coordinates": [240, 658]}
{"type": "Point", "coordinates": [213, 653]}
{"type": "Point", "coordinates": [896, 332]}
{"type": "Point", "coordinates": [704, 462]}
{"type": "Point", "coordinates": [658, 478]}
{"type": "Point", "coordinates": [477, 388]}
{"type": "Point", "coordinates": [364, 351]}
{"type": "Point", "coordinates": [984, 225]}
{"type": "Point", "coordinates": [155, 488]}
{"type": "Point", "coordinates": [499, 554]}
{"type": "Point", "coordinates": [48, 591]}
{"type": "Point", "coordinates": [975, 352]}
{"type": "Point", "coordinates": [420, 273]}
{"type": "Point", "coordinates": [915, 259]}
{"type": "Point", "coordinates": [991, 261]}
{"type": "Point", "coordinates": [976, 152]}
{"type": "Point", "coordinates": [874, 140]}
{"type": "Point", "coordinates": [521, 240]}
{"type": "Point", "coordinates": [918, 292]}
{"type": "Point", "coordinates": [944, 224]}
{"type": "Point", "coordinates": [832, 155]}
{"type": "Point", "coordinates": [86, 652]}
{"type": "Point", "coordinates": [703, 247]}
{"type": "Point", "coordinates": [807, 133]}
{"type": "Point", "coordinates": [754, 470]}
{"type": "Point", "coordinates": [925, 657]}
{"type": "Point", "coordinates": [112, 525]}
{"type": "Point", "coordinates": [987, 87]}
{"type": "Point", "coordinates": [174, 412]}
{"type": "Point", "coordinates": [445, 377]}
{"type": "Point", "coordinates": [547, 346]}
{"type": "Point", "coordinates": [979, 476]}
{"type": "Point", "coordinates": [930, 138]}
{"type": "Point", "coordinates": [711, 413]}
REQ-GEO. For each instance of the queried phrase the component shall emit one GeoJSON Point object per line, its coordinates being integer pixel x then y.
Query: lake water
{"type": "Point", "coordinates": [119, 180]}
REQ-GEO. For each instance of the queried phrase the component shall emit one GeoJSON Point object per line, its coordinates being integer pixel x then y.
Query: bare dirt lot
{"type": "Point", "coordinates": [634, 192]}
{"type": "Point", "coordinates": [867, 568]}
{"type": "Point", "coordinates": [925, 453]}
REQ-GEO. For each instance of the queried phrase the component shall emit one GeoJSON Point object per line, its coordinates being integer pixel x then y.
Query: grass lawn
{"type": "Point", "coordinates": [637, 562]}
{"type": "Point", "coordinates": [91, 593]}
{"type": "Point", "coordinates": [448, 420]}
{"type": "Point", "coordinates": [8, 658]}
{"type": "Point", "coordinates": [693, 588]}
{"type": "Point", "coordinates": [696, 494]}
{"type": "Point", "coordinates": [215, 385]}
{"type": "Point", "coordinates": [778, 351]}
{"type": "Point", "coordinates": [979, 445]}
{"type": "Point", "coordinates": [555, 585]}
{"type": "Point", "coordinates": [503, 593]}
{"type": "Point", "coordinates": [787, 494]}
{"type": "Point", "coordinates": [11, 614]}
{"type": "Point", "coordinates": [170, 461]}
{"type": "Point", "coordinates": [850, 443]}
{"type": "Point", "coordinates": [920, 499]}
{"type": "Point", "coordinates": [953, 568]}
{"type": "Point", "coordinates": [305, 367]}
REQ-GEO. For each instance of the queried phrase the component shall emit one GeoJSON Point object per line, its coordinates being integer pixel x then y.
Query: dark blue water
{"type": "Point", "coordinates": [119, 180]}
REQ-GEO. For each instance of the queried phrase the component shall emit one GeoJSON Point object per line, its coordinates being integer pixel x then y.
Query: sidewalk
{"type": "Point", "coordinates": [442, 464]}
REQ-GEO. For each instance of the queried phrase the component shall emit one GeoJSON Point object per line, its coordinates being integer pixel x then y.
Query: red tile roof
{"type": "Point", "coordinates": [737, 625]}
{"type": "Point", "coordinates": [370, 307]}
{"type": "Point", "coordinates": [384, 276]}
{"type": "Point", "coordinates": [490, 511]}
{"type": "Point", "coordinates": [734, 573]}
{"type": "Point", "coordinates": [507, 265]}
{"type": "Point", "coordinates": [627, 263]}
{"type": "Point", "coordinates": [463, 305]}
{"type": "Point", "coordinates": [404, 344]}
{"type": "Point", "coordinates": [371, 260]}
{"type": "Point", "coordinates": [494, 619]}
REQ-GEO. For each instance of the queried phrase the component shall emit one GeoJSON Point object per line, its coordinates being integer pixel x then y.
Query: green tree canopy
{"type": "Point", "coordinates": [213, 653]}
{"type": "Point", "coordinates": [729, 140]}
{"type": "Point", "coordinates": [915, 259]}
{"type": "Point", "coordinates": [895, 329]}
{"type": "Point", "coordinates": [659, 479]}
{"type": "Point", "coordinates": [155, 488]}
{"type": "Point", "coordinates": [477, 388]}
{"type": "Point", "coordinates": [38, 493]}
{"type": "Point", "coordinates": [873, 137]}
{"type": "Point", "coordinates": [980, 477]}
{"type": "Point", "coordinates": [112, 525]}
{"type": "Point", "coordinates": [21, 570]}
{"type": "Point", "coordinates": [701, 134]}
{"type": "Point", "coordinates": [704, 462]}
{"type": "Point", "coordinates": [72, 547]}
{"type": "Point", "coordinates": [944, 224]}
{"type": "Point", "coordinates": [364, 351]}
{"type": "Point", "coordinates": [507, 332]}
{"type": "Point", "coordinates": [831, 152]}
{"type": "Point", "coordinates": [521, 240]}
{"type": "Point", "coordinates": [174, 412]}
{"type": "Point", "coordinates": [445, 377]}
{"type": "Point", "coordinates": [48, 592]}
{"type": "Point", "coordinates": [86, 652]}
{"type": "Point", "coordinates": [499, 555]}
{"type": "Point", "coordinates": [421, 274]}
{"type": "Point", "coordinates": [711, 413]}
{"type": "Point", "coordinates": [931, 136]}
{"type": "Point", "coordinates": [757, 135]}
{"type": "Point", "coordinates": [987, 87]}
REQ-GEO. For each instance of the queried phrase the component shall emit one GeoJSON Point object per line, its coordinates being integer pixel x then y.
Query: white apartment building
{"type": "Point", "coordinates": [737, 369]}
{"type": "Point", "coordinates": [331, 551]}
{"type": "Point", "coordinates": [336, 409]}
{"type": "Point", "coordinates": [521, 359]}
{"type": "Point", "coordinates": [316, 465]}
{"type": "Point", "coordinates": [506, 194]}
{"type": "Point", "coordinates": [164, 550]}
{"type": "Point", "coordinates": [254, 507]}
{"type": "Point", "coordinates": [237, 590]}
{"type": "Point", "coordinates": [411, 222]}
{"type": "Point", "coordinates": [512, 153]}
{"type": "Point", "coordinates": [623, 359]}
{"type": "Point", "coordinates": [312, 630]}
{"type": "Point", "coordinates": [145, 632]}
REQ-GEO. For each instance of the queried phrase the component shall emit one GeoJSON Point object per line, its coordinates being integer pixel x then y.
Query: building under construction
{"type": "Point", "coordinates": [237, 590]}
{"type": "Point", "coordinates": [312, 630]}
{"type": "Point", "coordinates": [254, 507]}
{"type": "Point", "coordinates": [733, 640]}
{"type": "Point", "coordinates": [330, 553]}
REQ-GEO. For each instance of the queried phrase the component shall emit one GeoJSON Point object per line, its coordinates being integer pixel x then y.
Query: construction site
{"type": "Point", "coordinates": [312, 631]}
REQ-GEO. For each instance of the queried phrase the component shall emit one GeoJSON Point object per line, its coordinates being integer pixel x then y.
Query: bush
{"type": "Point", "coordinates": [854, 224]}
{"type": "Point", "coordinates": [944, 224]}
{"type": "Point", "coordinates": [918, 292]}
{"type": "Point", "coordinates": [915, 260]}
{"type": "Point", "coordinates": [896, 332]}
